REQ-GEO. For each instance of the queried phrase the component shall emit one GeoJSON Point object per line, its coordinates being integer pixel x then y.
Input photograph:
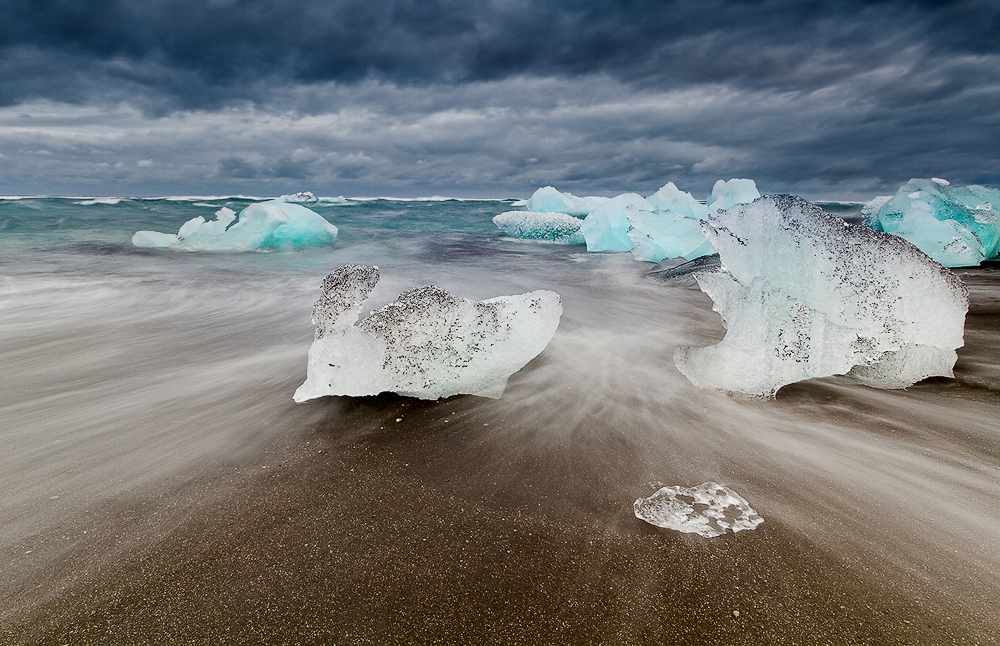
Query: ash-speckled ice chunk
{"type": "Point", "coordinates": [804, 294]}
{"type": "Point", "coordinates": [707, 510]}
{"type": "Point", "coordinates": [427, 343]}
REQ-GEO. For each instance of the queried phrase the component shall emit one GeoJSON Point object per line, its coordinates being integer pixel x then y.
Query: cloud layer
{"type": "Point", "coordinates": [840, 99]}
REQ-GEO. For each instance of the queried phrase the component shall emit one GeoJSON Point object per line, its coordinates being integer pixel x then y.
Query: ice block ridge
{"type": "Point", "coordinates": [804, 294]}
{"type": "Point", "coordinates": [708, 510]}
{"type": "Point", "coordinates": [427, 343]}
{"type": "Point", "coordinates": [276, 224]}
{"type": "Point", "coordinates": [666, 224]}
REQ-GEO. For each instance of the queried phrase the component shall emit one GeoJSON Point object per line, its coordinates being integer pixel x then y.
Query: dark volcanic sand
{"type": "Point", "coordinates": [360, 529]}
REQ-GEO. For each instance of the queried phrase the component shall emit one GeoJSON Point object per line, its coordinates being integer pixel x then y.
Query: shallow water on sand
{"type": "Point", "coordinates": [129, 375]}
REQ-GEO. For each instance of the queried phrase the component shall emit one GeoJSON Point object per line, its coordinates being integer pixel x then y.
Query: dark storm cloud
{"type": "Point", "coordinates": [831, 99]}
{"type": "Point", "coordinates": [196, 53]}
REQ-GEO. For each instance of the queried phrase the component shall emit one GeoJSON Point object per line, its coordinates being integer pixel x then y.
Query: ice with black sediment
{"type": "Point", "coordinates": [708, 510]}
{"type": "Point", "coordinates": [804, 294]}
{"type": "Point", "coordinates": [427, 343]}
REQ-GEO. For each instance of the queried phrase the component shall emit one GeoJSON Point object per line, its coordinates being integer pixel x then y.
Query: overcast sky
{"type": "Point", "coordinates": [494, 97]}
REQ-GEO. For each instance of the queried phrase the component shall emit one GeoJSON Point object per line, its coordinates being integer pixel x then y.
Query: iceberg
{"type": "Point", "coordinates": [302, 197]}
{"type": "Point", "coordinates": [662, 234]}
{"type": "Point", "coordinates": [958, 226]}
{"type": "Point", "coordinates": [426, 344]}
{"type": "Point", "coordinates": [665, 224]}
{"type": "Point", "coordinates": [707, 510]}
{"type": "Point", "coordinates": [726, 195]}
{"type": "Point", "coordinates": [606, 227]}
{"type": "Point", "coordinates": [549, 200]}
{"type": "Point", "coordinates": [804, 294]}
{"type": "Point", "coordinates": [306, 197]}
{"type": "Point", "coordinates": [670, 198]}
{"type": "Point", "coordinates": [557, 227]}
{"type": "Point", "coordinates": [266, 225]}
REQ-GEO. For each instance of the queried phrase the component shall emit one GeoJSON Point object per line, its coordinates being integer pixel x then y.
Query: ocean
{"type": "Point", "coordinates": [158, 484]}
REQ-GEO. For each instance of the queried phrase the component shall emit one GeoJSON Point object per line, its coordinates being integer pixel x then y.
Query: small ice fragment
{"type": "Point", "coordinates": [707, 510]}
{"type": "Point", "coordinates": [53, 497]}
{"type": "Point", "coordinates": [427, 344]}
{"type": "Point", "coordinates": [302, 197]}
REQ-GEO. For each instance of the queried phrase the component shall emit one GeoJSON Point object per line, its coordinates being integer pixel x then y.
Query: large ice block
{"type": "Point", "coordinates": [556, 227]}
{"type": "Point", "coordinates": [549, 200]}
{"type": "Point", "coordinates": [606, 228]}
{"type": "Point", "coordinates": [427, 344]}
{"type": "Point", "coordinates": [275, 224]}
{"type": "Point", "coordinates": [804, 294]}
{"type": "Point", "coordinates": [958, 226]}
{"type": "Point", "coordinates": [663, 234]}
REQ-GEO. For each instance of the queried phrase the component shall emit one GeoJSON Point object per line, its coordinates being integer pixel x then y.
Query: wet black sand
{"type": "Point", "coordinates": [357, 528]}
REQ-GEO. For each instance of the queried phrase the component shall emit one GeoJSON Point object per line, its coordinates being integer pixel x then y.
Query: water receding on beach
{"type": "Point", "coordinates": [157, 478]}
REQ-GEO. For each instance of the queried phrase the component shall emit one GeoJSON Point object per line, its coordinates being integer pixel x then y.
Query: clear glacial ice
{"type": "Point", "coordinates": [804, 294]}
{"type": "Point", "coordinates": [275, 224]}
{"type": "Point", "coordinates": [707, 510]}
{"type": "Point", "coordinates": [958, 226]}
{"type": "Point", "coordinates": [426, 344]}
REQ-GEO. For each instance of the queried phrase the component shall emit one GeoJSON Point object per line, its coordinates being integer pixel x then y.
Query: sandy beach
{"type": "Point", "coordinates": [386, 520]}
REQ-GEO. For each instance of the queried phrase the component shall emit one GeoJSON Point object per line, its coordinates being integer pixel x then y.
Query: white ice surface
{"type": "Point", "coordinates": [804, 294]}
{"type": "Point", "coordinates": [427, 344]}
{"type": "Point", "coordinates": [707, 510]}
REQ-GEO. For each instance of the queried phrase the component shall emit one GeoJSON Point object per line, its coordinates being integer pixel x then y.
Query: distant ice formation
{"type": "Point", "coordinates": [958, 226]}
{"type": "Point", "coordinates": [427, 344]}
{"type": "Point", "coordinates": [666, 224]}
{"type": "Point", "coordinates": [548, 200]}
{"type": "Point", "coordinates": [532, 225]}
{"type": "Point", "coordinates": [804, 294]}
{"type": "Point", "coordinates": [276, 224]}
{"type": "Point", "coordinates": [707, 510]}
{"type": "Point", "coordinates": [306, 197]}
